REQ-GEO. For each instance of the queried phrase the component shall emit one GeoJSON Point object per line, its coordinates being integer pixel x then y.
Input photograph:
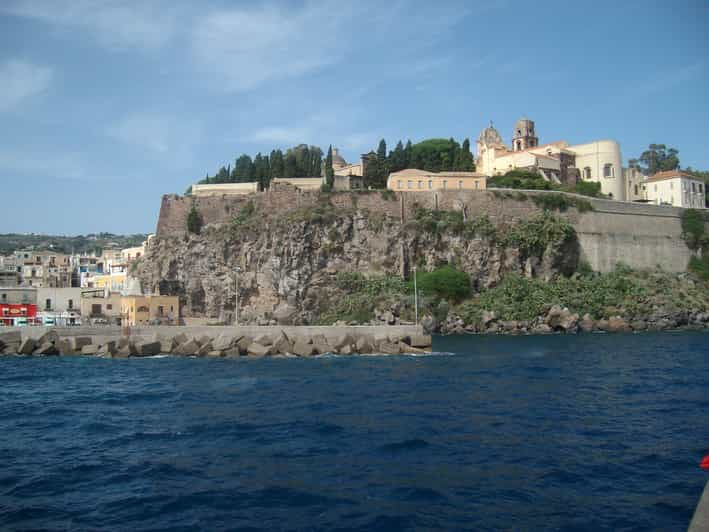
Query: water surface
{"type": "Point", "coordinates": [594, 432]}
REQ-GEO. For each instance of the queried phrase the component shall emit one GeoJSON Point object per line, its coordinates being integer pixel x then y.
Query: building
{"type": "Point", "coordinates": [413, 180]}
{"type": "Point", "coordinates": [149, 310]}
{"type": "Point", "coordinates": [342, 168]}
{"type": "Point", "coordinates": [676, 188]}
{"type": "Point", "coordinates": [348, 182]}
{"type": "Point", "coordinates": [46, 268]}
{"type": "Point", "coordinates": [115, 282]}
{"type": "Point", "coordinates": [20, 295]}
{"type": "Point", "coordinates": [599, 161]}
{"type": "Point", "coordinates": [220, 189]}
{"type": "Point", "coordinates": [301, 183]}
{"type": "Point", "coordinates": [101, 306]}
{"type": "Point", "coordinates": [14, 315]}
{"type": "Point", "coordinates": [636, 187]}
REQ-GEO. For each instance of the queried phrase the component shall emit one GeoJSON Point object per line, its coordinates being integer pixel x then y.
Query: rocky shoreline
{"type": "Point", "coordinates": [562, 320]}
{"type": "Point", "coordinates": [270, 342]}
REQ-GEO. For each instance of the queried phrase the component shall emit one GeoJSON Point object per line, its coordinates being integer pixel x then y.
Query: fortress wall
{"type": "Point", "coordinates": [638, 235]}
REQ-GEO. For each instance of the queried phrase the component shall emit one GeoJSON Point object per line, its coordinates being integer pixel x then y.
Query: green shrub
{"type": "Point", "coordinates": [194, 220]}
{"type": "Point", "coordinates": [445, 282]}
{"type": "Point", "coordinates": [587, 188]}
{"type": "Point", "coordinates": [560, 202]}
{"type": "Point", "coordinates": [693, 230]}
{"type": "Point", "coordinates": [532, 237]}
{"type": "Point", "coordinates": [388, 195]}
{"type": "Point", "coordinates": [700, 266]}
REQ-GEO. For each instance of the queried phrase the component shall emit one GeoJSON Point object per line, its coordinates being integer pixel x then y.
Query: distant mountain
{"type": "Point", "coordinates": [12, 242]}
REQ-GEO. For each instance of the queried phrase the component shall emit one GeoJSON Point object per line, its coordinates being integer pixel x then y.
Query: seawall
{"type": "Point", "coordinates": [216, 341]}
{"type": "Point", "coordinates": [638, 235]}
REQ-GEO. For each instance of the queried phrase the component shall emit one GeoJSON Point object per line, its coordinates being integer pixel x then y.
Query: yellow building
{"type": "Point", "coordinates": [146, 310]}
{"type": "Point", "coordinates": [219, 189]}
{"type": "Point", "coordinates": [114, 283]}
{"type": "Point", "coordinates": [413, 180]}
{"type": "Point", "coordinates": [302, 183]}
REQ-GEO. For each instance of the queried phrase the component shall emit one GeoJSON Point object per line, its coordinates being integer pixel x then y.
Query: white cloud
{"type": "Point", "coordinates": [126, 24]}
{"type": "Point", "coordinates": [21, 80]}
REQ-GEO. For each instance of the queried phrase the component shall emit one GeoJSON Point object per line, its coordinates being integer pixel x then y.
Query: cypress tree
{"type": "Point", "coordinates": [329, 171]}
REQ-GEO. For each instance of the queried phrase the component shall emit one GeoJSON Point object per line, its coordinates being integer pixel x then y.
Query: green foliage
{"type": "Point", "coordinates": [322, 213]}
{"type": "Point", "coordinates": [445, 282]}
{"type": "Point", "coordinates": [194, 220]}
{"type": "Point", "coordinates": [658, 158]}
{"type": "Point", "coordinates": [520, 179]}
{"type": "Point", "coordinates": [621, 292]}
{"type": "Point", "coordinates": [587, 188]}
{"type": "Point", "coordinates": [532, 237]}
{"type": "Point", "coordinates": [700, 266]}
{"type": "Point", "coordinates": [693, 230]}
{"type": "Point", "coordinates": [326, 188]}
{"type": "Point", "coordinates": [90, 243]}
{"type": "Point", "coordinates": [388, 195]}
{"type": "Point", "coordinates": [329, 171]}
{"type": "Point", "coordinates": [245, 217]}
{"type": "Point", "coordinates": [561, 202]}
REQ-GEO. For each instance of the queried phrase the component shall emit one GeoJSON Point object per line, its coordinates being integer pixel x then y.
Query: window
{"type": "Point", "coordinates": [430, 183]}
{"type": "Point", "coordinates": [70, 304]}
{"type": "Point", "coordinates": [587, 172]}
{"type": "Point", "coordinates": [398, 184]}
{"type": "Point", "coordinates": [420, 184]}
{"type": "Point", "coordinates": [4, 297]}
{"type": "Point", "coordinates": [161, 310]}
{"type": "Point", "coordinates": [409, 184]}
{"type": "Point", "coordinates": [95, 310]}
{"type": "Point", "coordinates": [48, 304]}
{"type": "Point", "coordinates": [636, 190]}
{"type": "Point", "coordinates": [143, 309]}
{"type": "Point", "coordinates": [701, 188]}
{"type": "Point", "coordinates": [655, 188]}
{"type": "Point", "coordinates": [109, 307]}
{"type": "Point", "coordinates": [460, 184]}
{"type": "Point", "coordinates": [445, 184]}
{"type": "Point", "coordinates": [607, 170]}
{"type": "Point", "coordinates": [693, 187]}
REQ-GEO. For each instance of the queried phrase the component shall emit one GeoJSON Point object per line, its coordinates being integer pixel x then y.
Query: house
{"type": "Point", "coordinates": [414, 180]}
{"type": "Point", "coordinates": [150, 309]}
{"type": "Point", "coordinates": [677, 188]}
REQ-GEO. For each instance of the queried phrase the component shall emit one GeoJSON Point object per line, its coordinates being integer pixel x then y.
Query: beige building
{"type": "Point", "coordinates": [676, 188]}
{"type": "Point", "coordinates": [220, 189]}
{"type": "Point", "coordinates": [302, 183]}
{"type": "Point", "coordinates": [413, 180]}
{"type": "Point", "coordinates": [599, 161]}
{"type": "Point", "coordinates": [100, 306]}
{"type": "Point", "coordinates": [151, 309]}
{"type": "Point", "coordinates": [635, 181]}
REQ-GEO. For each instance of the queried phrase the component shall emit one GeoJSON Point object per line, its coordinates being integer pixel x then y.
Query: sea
{"type": "Point", "coordinates": [587, 432]}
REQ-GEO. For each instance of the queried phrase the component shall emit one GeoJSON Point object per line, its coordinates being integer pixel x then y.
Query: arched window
{"type": "Point", "coordinates": [420, 184]}
{"type": "Point", "coordinates": [607, 170]}
{"type": "Point", "coordinates": [460, 184]}
{"type": "Point", "coordinates": [430, 183]}
{"type": "Point", "coordinates": [409, 184]}
{"type": "Point", "coordinates": [143, 309]}
{"type": "Point", "coordinates": [587, 172]}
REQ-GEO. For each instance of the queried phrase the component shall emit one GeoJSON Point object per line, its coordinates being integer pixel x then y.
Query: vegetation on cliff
{"type": "Point", "coordinates": [696, 238]}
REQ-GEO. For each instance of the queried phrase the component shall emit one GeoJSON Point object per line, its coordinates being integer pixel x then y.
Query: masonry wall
{"type": "Point", "coordinates": [638, 235]}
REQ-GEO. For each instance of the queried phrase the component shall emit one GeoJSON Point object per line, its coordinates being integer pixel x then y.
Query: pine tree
{"type": "Point", "coordinates": [277, 164]}
{"type": "Point", "coordinates": [329, 171]}
{"type": "Point", "coordinates": [194, 220]}
{"type": "Point", "coordinates": [408, 156]}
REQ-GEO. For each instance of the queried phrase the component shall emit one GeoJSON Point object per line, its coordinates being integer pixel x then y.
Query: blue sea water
{"type": "Point", "coordinates": [593, 432]}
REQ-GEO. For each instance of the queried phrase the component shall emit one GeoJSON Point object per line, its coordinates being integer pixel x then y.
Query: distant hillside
{"type": "Point", "coordinates": [12, 242]}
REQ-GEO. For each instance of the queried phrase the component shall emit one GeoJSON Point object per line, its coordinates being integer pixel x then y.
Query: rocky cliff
{"type": "Point", "coordinates": [287, 260]}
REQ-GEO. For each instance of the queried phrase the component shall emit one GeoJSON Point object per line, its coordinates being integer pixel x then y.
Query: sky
{"type": "Point", "coordinates": [107, 105]}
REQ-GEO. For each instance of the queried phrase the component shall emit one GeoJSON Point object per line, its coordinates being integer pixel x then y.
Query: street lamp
{"type": "Point", "coordinates": [236, 295]}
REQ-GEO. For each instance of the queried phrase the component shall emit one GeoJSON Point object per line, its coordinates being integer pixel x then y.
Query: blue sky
{"type": "Point", "coordinates": [105, 106]}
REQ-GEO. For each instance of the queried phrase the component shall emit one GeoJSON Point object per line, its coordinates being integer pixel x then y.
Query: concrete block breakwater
{"type": "Point", "coordinates": [213, 341]}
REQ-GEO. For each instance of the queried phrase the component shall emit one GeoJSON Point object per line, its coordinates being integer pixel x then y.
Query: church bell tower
{"type": "Point", "coordinates": [524, 135]}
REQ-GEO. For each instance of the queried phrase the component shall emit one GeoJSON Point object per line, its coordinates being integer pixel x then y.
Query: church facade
{"type": "Point", "coordinates": [599, 161]}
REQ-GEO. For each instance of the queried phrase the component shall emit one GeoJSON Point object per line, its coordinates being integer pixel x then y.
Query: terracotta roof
{"type": "Point", "coordinates": [671, 174]}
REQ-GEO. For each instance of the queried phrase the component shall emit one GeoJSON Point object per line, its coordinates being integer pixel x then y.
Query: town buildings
{"type": "Point", "coordinates": [150, 310]}
{"type": "Point", "coordinates": [559, 162]}
{"type": "Point", "coordinates": [413, 180]}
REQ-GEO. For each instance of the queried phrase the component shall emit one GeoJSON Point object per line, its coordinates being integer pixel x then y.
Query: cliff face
{"type": "Point", "coordinates": [288, 261]}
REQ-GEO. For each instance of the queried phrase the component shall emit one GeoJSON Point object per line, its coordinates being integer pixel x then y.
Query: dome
{"type": "Point", "coordinates": [337, 160]}
{"type": "Point", "coordinates": [490, 136]}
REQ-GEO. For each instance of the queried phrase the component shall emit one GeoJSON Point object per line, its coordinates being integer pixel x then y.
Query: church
{"type": "Point", "coordinates": [599, 161]}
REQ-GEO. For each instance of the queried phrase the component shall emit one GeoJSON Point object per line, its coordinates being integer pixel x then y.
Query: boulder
{"type": "Point", "coordinates": [202, 340]}
{"type": "Point", "coordinates": [28, 346]}
{"type": "Point", "coordinates": [205, 348]}
{"type": "Point", "coordinates": [256, 349]}
{"type": "Point", "coordinates": [190, 347]}
{"type": "Point", "coordinates": [322, 349]}
{"type": "Point", "coordinates": [243, 344]}
{"type": "Point", "coordinates": [233, 352]}
{"type": "Point", "coordinates": [509, 326]}
{"type": "Point", "coordinates": [166, 345]}
{"type": "Point", "coordinates": [602, 325]}
{"type": "Point", "coordinates": [638, 325]}
{"type": "Point", "coordinates": [77, 342]}
{"type": "Point", "coordinates": [617, 324]}
{"type": "Point", "coordinates": [50, 337]}
{"type": "Point", "coordinates": [343, 341]}
{"type": "Point", "coordinates": [47, 349]}
{"type": "Point", "coordinates": [107, 349]}
{"type": "Point", "coordinates": [561, 319]}
{"type": "Point", "coordinates": [263, 339]}
{"type": "Point", "coordinates": [89, 349]}
{"type": "Point", "coordinates": [363, 345]}
{"type": "Point", "coordinates": [180, 338]}
{"type": "Point", "coordinates": [488, 317]}
{"type": "Point", "coordinates": [345, 350]}
{"type": "Point", "coordinates": [420, 340]}
{"type": "Point", "coordinates": [541, 328]}
{"type": "Point", "coordinates": [145, 349]}
{"type": "Point", "coordinates": [215, 354]}
{"type": "Point", "coordinates": [586, 323]}
{"type": "Point", "coordinates": [282, 344]}
{"type": "Point", "coordinates": [64, 347]}
{"type": "Point", "coordinates": [225, 341]}
{"type": "Point", "coordinates": [303, 349]}
{"type": "Point", "coordinates": [388, 348]}
{"type": "Point", "coordinates": [123, 352]}
{"type": "Point", "coordinates": [284, 314]}
{"type": "Point", "coordinates": [10, 338]}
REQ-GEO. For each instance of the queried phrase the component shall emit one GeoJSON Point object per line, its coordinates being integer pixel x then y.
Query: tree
{"type": "Point", "coordinates": [277, 164]}
{"type": "Point", "coordinates": [397, 158]}
{"type": "Point", "coordinates": [434, 155]}
{"type": "Point", "coordinates": [329, 171]}
{"type": "Point", "coordinates": [194, 220]}
{"type": "Point", "coordinates": [465, 160]}
{"type": "Point", "coordinates": [658, 158]}
{"type": "Point", "coordinates": [243, 170]}
{"type": "Point", "coordinates": [290, 166]}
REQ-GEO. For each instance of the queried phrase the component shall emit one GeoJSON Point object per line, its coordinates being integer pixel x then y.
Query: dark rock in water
{"type": "Point", "coordinates": [638, 325]}
{"type": "Point", "coordinates": [586, 324]}
{"type": "Point", "coordinates": [190, 347]}
{"type": "Point", "coordinates": [50, 337]}
{"type": "Point", "coordinates": [258, 350]}
{"type": "Point", "coordinates": [46, 349]}
{"type": "Point", "coordinates": [303, 349]}
{"type": "Point", "coordinates": [10, 338]}
{"type": "Point", "coordinates": [147, 348]}
{"type": "Point", "coordinates": [617, 324]}
{"type": "Point", "coordinates": [28, 346]}
{"type": "Point", "coordinates": [90, 349]}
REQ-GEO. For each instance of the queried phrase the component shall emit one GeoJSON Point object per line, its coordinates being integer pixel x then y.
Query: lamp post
{"type": "Point", "coordinates": [416, 298]}
{"type": "Point", "coordinates": [236, 295]}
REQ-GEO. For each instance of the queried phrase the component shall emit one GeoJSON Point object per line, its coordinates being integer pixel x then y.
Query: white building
{"type": "Point", "coordinates": [558, 162]}
{"type": "Point", "coordinates": [676, 188]}
{"type": "Point", "coordinates": [220, 189]}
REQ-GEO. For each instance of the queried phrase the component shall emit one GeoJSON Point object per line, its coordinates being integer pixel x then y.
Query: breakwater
{"type": "Point", "coordinates": [213, 341]}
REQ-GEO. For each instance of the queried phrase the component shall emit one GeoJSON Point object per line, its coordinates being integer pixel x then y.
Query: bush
{"type": "Point", "coordinates": [700, 266]}
{"type": "Point", "coordinates": [587, 188]}
{"type": "Point", "coordinates": [523, 179]}
{"type": "Point", "coordinates": [532, 237]}
{"type": "Point", "coordinates": [560, 202]}
{"type": "Point", "coordinates": [693, 228]}
{"type": "Point", "coordinates": [388, 195]}
{"type": "Point", "coordinates": [445, 282]}
{"type": "Point", "coordinates": [194, 220]}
